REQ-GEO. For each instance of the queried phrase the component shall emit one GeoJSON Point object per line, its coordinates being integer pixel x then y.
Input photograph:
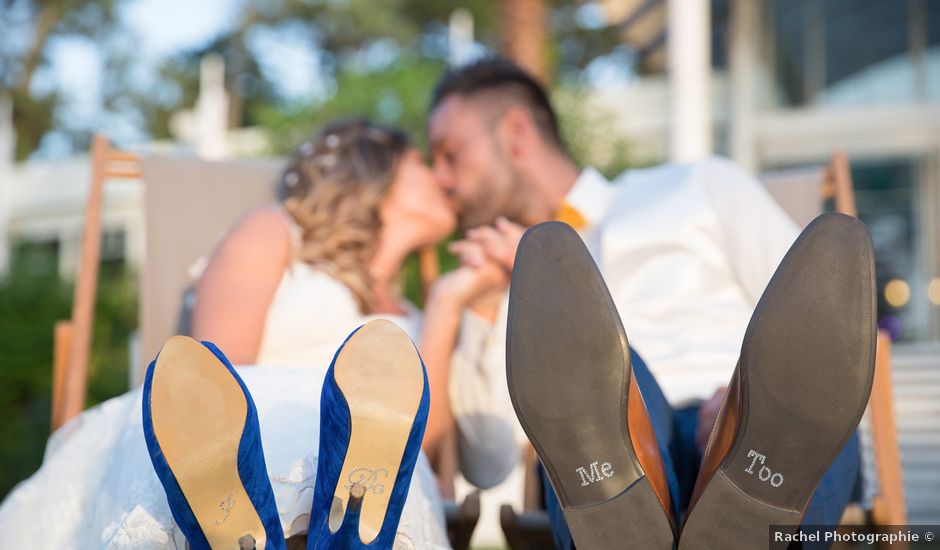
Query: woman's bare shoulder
{"type": "Point", "coordinates": [266, 222]}
{"type": "Point", "coordinates": [262, 234]}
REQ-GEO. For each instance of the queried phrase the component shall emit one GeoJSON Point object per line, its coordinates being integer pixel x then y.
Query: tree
{"type": "Point", "coordinates": [525, 35]}
{"type": "Point", "coordinates": [344, 35]}
{"type": "Point", "coordinates": [29, 27]}
{"type": "Point", "coordinates": [32, 298]}
{"type": "Point", "coordinates": [411, 33]}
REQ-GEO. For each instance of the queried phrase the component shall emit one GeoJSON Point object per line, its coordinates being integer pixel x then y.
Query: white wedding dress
{"type": "Point", "coordinates": [97, 489]}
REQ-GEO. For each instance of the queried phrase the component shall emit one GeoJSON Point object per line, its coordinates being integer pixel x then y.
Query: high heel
{"type": "Point", "coordinates": [348, 534]}
{"type": "Point", "coordinates": [202, 432]}
{"type": "Point", "coordinates": [373, 412]}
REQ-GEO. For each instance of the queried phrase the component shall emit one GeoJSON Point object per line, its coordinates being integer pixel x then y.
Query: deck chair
{"type": "Point", "coordinates": [71, 345]}
{"type": "Point", "coordinates": [188, 203]}
{"type": "Point", "coordinates": [801, 193]}
{"type": "Point", "coordinates": [793, 190]}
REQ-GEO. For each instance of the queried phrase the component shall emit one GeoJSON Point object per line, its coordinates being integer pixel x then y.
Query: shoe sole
{"type": "Point", "coordinates": [568, 368]}
{"type": "Point", "coordinates": [380, 375]}
{"type": "Point", "coordinates": [198, 411]}
{"type": "Point", "coordinates": [806, 371]}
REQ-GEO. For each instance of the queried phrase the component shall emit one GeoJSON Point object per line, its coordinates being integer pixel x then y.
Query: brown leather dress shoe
{"type": "Point", "coordinates": [573, 389]}
{"type": "Point", "coordinates": [797, 394]}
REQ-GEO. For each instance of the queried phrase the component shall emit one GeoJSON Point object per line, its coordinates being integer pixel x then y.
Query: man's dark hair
{"type": "Point", "coordinates": [506, 81]}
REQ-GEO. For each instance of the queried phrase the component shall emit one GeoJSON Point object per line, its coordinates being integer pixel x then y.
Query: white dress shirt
{"type": "Point", "coordinates": [685, 249]}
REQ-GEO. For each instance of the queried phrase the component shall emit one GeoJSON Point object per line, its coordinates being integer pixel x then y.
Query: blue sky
{"type": "Point", "coordinates": [167, 26]}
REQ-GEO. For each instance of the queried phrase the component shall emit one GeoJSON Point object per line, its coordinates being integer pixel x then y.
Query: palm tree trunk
{"type": "Point", "coordinates": [525, 34]}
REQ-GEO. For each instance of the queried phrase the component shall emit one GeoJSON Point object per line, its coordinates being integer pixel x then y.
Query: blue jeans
{"type": "Point", "coordinates": [675, 434]}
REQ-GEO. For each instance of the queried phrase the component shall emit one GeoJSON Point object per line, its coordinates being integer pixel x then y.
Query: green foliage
{"type": "Point", "coordinates": [32, 299]}
{"type": "Point", "coordinates": [115, 322]}
{"type": "Point", "coordinates": [410, 276]}
{"type": "Point", "coordinates": [397, 95]}
{"type": "Point", "coordinates": [590, 132]}
{"type": "Point", "coordinates": [33, 116]}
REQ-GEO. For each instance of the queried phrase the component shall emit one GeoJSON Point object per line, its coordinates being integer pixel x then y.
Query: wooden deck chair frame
{"type": "Point", "coordinates": [888, 506]}
{"type": "Point", "coordinates": [531, 528]}
{"type": "Point", "coordinates": [72, 338]}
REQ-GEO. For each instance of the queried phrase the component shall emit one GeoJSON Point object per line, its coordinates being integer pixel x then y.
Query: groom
{"type": "Point", "coordinates": [686, 251]}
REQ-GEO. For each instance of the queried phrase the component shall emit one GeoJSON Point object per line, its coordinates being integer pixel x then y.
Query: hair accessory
{"type": "Point", "coordinates": [325, 161]}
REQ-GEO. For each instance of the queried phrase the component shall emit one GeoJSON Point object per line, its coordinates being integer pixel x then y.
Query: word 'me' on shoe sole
{"type": "Point", "coordinates": [800, 388]}
{"type": "Point", "coordinates": [380, 374]}
{"type": "Point", "coordinates": [198, 411]}
{"type": "Point", "coordinates": [568, 368]}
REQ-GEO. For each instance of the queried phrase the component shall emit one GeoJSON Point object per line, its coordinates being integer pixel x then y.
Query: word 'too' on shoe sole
{"type": "Point", "coordinates": [798, 392]}
{"type": "Point", "coordinates": [571, 384]}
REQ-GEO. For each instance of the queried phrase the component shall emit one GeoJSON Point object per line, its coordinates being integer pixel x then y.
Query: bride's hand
{"type": "Point", "coordinates": [466, 284]}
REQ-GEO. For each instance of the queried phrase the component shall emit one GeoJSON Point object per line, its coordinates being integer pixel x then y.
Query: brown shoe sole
{"type": "Point", "coordinates": [804, 377]}
{"type": "Point", "coordinates": [568, 368]}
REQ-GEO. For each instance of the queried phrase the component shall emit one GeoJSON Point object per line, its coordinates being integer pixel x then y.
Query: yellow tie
{"type": "Point", "coordinates": [570, 215]}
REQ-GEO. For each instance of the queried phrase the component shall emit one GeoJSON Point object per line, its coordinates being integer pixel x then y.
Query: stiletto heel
{"type": "Point", "coordinates": [373, 412]}
{"type": "Point", "coordinates": [348, 534]}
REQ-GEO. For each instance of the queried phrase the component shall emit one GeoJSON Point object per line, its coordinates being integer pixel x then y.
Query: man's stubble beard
{"type": "Point", "coordinates": [512, 205]}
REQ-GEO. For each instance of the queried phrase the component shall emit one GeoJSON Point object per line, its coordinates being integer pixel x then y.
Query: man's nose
{"type": "Point", "coordinates": [443, 177]}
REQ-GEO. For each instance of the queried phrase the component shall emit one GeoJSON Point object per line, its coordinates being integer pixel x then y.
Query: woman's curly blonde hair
{"type": "Point", "coordinates": [332, 188]}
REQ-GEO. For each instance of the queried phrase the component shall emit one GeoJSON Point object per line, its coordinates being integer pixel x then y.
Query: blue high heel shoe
{"type": "Point", "coordinates": [373, 411]}
{"type": "Point", "coordinates": [202, 432]}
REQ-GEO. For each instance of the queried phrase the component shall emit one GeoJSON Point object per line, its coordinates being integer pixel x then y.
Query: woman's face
{"type": "Point", "coordinates": [414, 199]}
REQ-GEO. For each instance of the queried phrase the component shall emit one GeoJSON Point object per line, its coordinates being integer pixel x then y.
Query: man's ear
{"type": "Point", "coordinates": [518, 131]}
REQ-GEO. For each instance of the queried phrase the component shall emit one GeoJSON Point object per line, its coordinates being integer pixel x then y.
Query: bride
{"type": "Point", "coordinates": [282, 291]}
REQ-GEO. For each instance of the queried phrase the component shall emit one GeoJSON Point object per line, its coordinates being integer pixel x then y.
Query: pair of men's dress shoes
{"type": "Point", "coordinates": [798, 391]}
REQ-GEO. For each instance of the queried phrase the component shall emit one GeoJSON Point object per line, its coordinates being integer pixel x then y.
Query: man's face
{"type": "Point", "coordinates": [470, 164]}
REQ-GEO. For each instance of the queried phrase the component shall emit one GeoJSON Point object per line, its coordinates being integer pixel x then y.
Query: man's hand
{"type": "Point", "coordinates": [476, 277]}
{"type": "Point", "coordinates": [499, 242]}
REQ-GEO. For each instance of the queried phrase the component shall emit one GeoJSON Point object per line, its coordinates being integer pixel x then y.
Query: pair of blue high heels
{"type": "Point", "coordinates": [202, 431]}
